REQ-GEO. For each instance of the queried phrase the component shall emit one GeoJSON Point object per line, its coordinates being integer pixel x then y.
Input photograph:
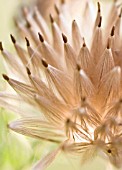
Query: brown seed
{"type": "Point", "coordinates": [99, 25]}
{"type": "Point", "coordinates": [41, 37]}
{"type": "Point", "coordinates": [64, 38]}
{"type": "Point", "coordinates": [44, 63]}
{"type": "Point", "coordinates": [1, 46]}
{"type": "Point", "coordinates": [5, 77]}
{"type": "Point", "coordinates": [12, 39]}
{"type": "Point", "coordinates": [28, 71]}
{"type": "Point", "coordinates": [27, 42]}
{"type": "Point", "coordinates": [112, 31]}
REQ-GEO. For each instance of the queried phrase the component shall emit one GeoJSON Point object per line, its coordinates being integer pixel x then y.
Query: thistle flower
{"type": "Point", "coordinates": [71, 76]}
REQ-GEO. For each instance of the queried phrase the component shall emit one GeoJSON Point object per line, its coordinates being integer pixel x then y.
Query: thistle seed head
{"type": "Point", "coordinates": [75, 83]}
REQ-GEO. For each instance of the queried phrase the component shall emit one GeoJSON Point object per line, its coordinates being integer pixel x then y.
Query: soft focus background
{"type": "Point", "coordinates": [16, 151]}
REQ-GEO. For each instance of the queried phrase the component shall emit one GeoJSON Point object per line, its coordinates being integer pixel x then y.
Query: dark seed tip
{"type": "Point", "coordinates": [12, 38]}
{"type": "Point", "coordinates": [99, 25]}
{"type": "Point", "coordinates": [108, 45]}
{"type": "Point", "coordinates": [83, 99]}
{"type": "Point", "coordinates": [120, 15]}
{"type": "Point", "coordinates": [51, 18]}
{"type": "Point", "coordinates": [98, 4]}
{"type": "Point", "coordinates": [64, 38]}
{"type": "Point", "coordinates": [68, 121]}
{"type": "Point", "coordinates": [78, 67]}
{"type": "Point", "coordinates": [109, 151]}
{"type": "Point", "coordinates": [112, 31]}
{"type": "Point", "coordinates": [27, 42]}
{"type": "Point", "coordinates": [44, 63]}
{"type": "Point", "coordinates": [56, 9]}
{"type": "Point", "coordinates": [5, 77]}
{"type": "Point", "coordinates": [74, 21]}
{"type": "Point", "coordinates": [41, 37]}
{"type": "Point", "coordinates": [28, 25]}
{"type": "Point", "coordinates": [28, 71]}
{"type": "Point", "coordinates": [1, 46]}
{"type": "Point", "coordinates": [84, 44]}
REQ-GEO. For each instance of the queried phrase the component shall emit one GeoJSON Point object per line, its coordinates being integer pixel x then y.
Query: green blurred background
{"type": "Point", "coordinates": [16, 151]}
